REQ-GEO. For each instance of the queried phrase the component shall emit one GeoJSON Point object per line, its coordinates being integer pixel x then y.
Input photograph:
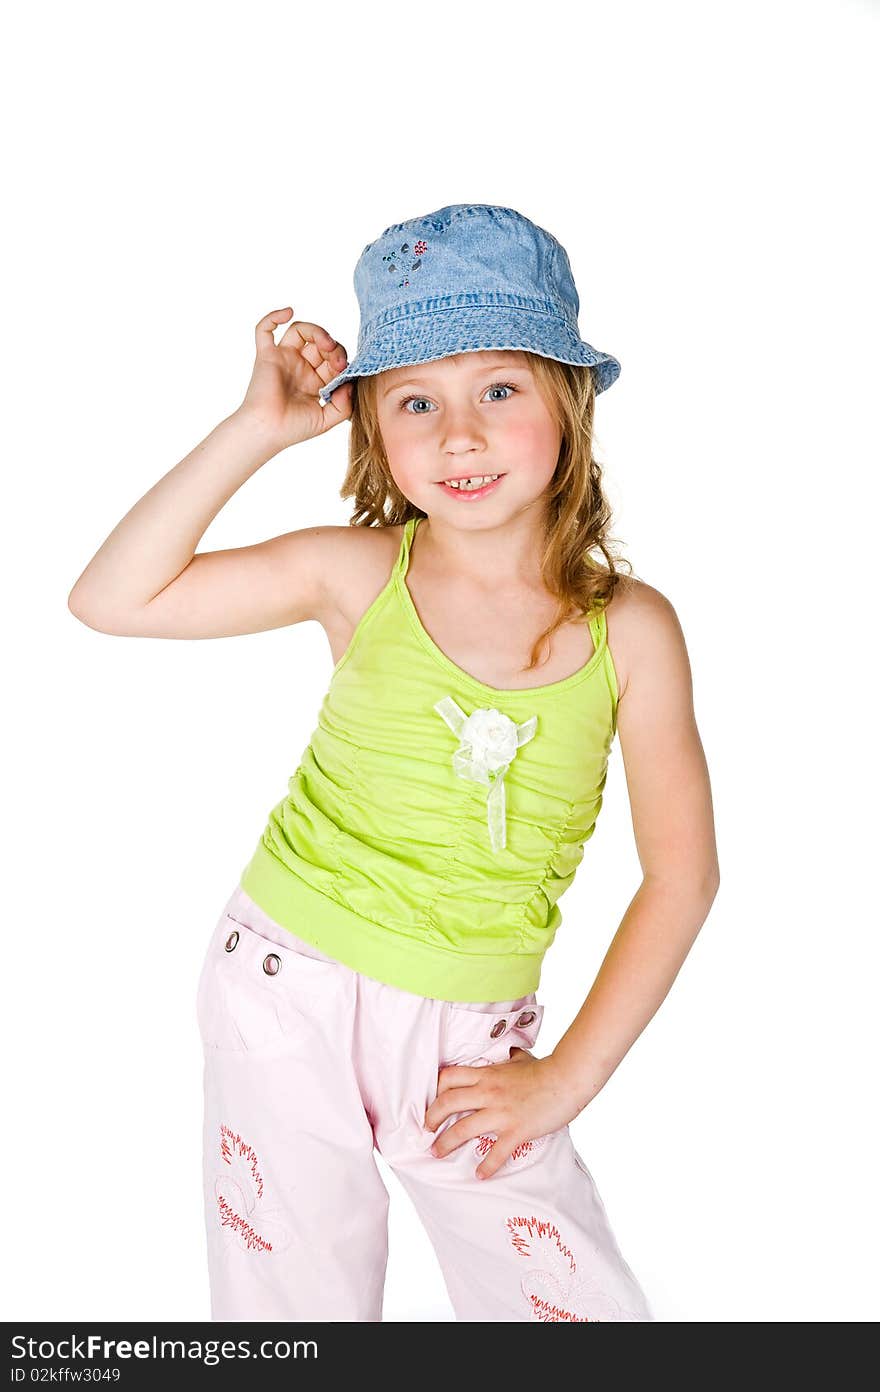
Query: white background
{"type": "Point", "coordinates": [175, 172]}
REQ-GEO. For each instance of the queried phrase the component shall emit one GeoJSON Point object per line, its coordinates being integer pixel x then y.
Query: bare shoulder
{"type": "Point", "coordinates": [644, 633]}
{"type": "Point", "coordinates": [358, 566]}
{"type": "Point", "coordinates": [664, 761]}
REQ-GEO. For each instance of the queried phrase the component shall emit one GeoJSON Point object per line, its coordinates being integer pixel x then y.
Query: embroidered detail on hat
{"type": "Point", "coordinates": [488, 744]}
{"type": "Point", "coordinates": [405, 254]}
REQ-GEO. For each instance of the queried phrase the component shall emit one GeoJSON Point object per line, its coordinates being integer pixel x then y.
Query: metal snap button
{"type": "Point", "coordinates": [232, 941]}
{"type": "Point", "coordinates": [526, 1018]}
{"type": "Point", "coordinates": [498, 1028]}
{"type": "Point", "coordinates": [272, 964]}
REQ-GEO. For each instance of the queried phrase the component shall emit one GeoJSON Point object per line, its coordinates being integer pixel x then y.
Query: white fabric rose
{"type": "Point", "coordinates": [488, 744]}
{"type": "Point", "coordinates": [490, 738]}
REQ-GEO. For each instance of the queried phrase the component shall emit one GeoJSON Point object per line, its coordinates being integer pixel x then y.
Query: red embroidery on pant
{"type": "Point", "coordinates": [231, 1219]}
{"type": "Point", "coordinates": [242, 1212]}
{"type": "Point", "coordinates": [537, 1228]}
{"type": "Point", "coordinates": [484, 1144]}
{"type": "Point", "coordinates": [554, 1288]}
{"type": "Point", "coordinates": [230, 1142]}
{"type": "Point", "coordinates": [553, 1314]}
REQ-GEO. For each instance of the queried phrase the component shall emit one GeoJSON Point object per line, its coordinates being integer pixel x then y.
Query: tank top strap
{"type": "Point", "coordinates": [402, 563]}
{"type": "Point", "coordinates": [598, 628]}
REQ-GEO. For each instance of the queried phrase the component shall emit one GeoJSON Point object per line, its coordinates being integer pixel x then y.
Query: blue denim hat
{"type": "Point", "coordinates": [461, 279]}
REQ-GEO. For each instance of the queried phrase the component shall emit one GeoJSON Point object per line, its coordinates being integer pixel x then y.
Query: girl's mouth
{"type": "Point", "coordinates": [467, 490]}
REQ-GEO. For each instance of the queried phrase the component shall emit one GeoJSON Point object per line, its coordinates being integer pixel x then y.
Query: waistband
{"type": "Point", "coordinates": [412, 964]}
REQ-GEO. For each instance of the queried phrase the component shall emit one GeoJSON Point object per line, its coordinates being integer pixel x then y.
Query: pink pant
{"type": "Point", "coordinates": [309, 1067]}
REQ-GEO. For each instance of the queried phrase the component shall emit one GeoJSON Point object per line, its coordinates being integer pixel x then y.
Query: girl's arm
{"type": "Point", "coordinates": [671, 803]}
{"type": "Point", "coordinates": [146, 579]}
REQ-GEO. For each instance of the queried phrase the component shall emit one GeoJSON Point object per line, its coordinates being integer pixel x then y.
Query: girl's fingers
{"type": "Point", "coordinates": [339, 403]}
{"type": "Point", "coordinates": [332, 365]}
{"type": "Point", "coordinates": [311, 343]}
{"type": "Point", "coordinates": [316, 347]}
{"type": "Point", "coordinates": [263, 333]}
{"type": "Point", "coordinates": [310, 339]}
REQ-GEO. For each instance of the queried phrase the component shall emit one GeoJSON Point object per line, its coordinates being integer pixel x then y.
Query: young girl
{"type": "Point", "coordinates": [370, 984]}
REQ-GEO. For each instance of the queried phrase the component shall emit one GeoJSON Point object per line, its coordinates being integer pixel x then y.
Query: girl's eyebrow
{"type": "Point", "coordinates": [421, 381]}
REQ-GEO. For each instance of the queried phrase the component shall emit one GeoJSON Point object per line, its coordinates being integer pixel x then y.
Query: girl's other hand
{"type": "Point", "coordinates": [522, 1099]}
{"type": "Point", "coordinates": [282, 398]}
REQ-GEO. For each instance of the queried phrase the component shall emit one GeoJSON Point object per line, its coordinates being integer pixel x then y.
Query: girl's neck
{"type": "Point", "coordinates": [486, 557]}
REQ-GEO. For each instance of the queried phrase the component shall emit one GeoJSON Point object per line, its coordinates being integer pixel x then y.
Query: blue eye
{"type": "Point", "coordinates": [496, 386]}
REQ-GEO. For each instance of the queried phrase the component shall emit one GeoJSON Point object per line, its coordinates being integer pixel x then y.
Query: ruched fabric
{"type": "Point", "coordinates": [391, 855]}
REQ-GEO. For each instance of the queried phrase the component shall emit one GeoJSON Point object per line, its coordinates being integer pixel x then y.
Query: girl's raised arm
{"type": "Point", "coordinates": [147, 581]}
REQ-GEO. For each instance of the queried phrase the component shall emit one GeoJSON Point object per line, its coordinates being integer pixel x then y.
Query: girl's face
{"type": "Point", "coordinates": [467, 416]}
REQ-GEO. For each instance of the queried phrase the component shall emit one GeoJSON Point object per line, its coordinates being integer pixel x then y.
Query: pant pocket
{"type": "Point", "coordinates": [487, 1033]}
{"type": "Point", "coordinates": [256, 992]}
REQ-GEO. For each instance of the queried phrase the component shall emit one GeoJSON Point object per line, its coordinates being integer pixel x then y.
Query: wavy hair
{"type": "Point", "coordinates": [578, 513]}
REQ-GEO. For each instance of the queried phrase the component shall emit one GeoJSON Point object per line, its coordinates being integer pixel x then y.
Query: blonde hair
{"type": "Point", "coordinates": [578, 513]}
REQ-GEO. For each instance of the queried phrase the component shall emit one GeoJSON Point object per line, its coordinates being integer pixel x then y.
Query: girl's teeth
{"type": "Point", "coordinates": [473, 482]}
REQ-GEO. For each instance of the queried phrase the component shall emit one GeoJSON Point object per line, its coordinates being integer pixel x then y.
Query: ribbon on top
{"type": "Point", "coordinates": [488, 742]}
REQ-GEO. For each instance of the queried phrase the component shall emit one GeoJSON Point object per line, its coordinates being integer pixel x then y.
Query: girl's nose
{"type": "Point", "coordinates": [462, 431]}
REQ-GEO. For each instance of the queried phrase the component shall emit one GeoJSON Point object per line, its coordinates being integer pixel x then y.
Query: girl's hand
{"type": "Point", "coordinates": [519, 1100]}
{"type": "Point", "coordinates": [282, 398]}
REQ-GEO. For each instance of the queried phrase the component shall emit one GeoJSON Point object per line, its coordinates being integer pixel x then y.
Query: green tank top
{"type": "Point", "coordinates": [434, 821]}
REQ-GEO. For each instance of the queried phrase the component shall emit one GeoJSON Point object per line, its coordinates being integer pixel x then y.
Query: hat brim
{"type": "Point", "coordinates": [419, 338]}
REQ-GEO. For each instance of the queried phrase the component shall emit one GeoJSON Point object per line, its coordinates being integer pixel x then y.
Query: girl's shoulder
{"type": "Point", "coordinates": [359, 562]}
{"type": "Point", "coordinates": [359, 559]}
{"type": "Point", "coordinates": [642, 628]}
